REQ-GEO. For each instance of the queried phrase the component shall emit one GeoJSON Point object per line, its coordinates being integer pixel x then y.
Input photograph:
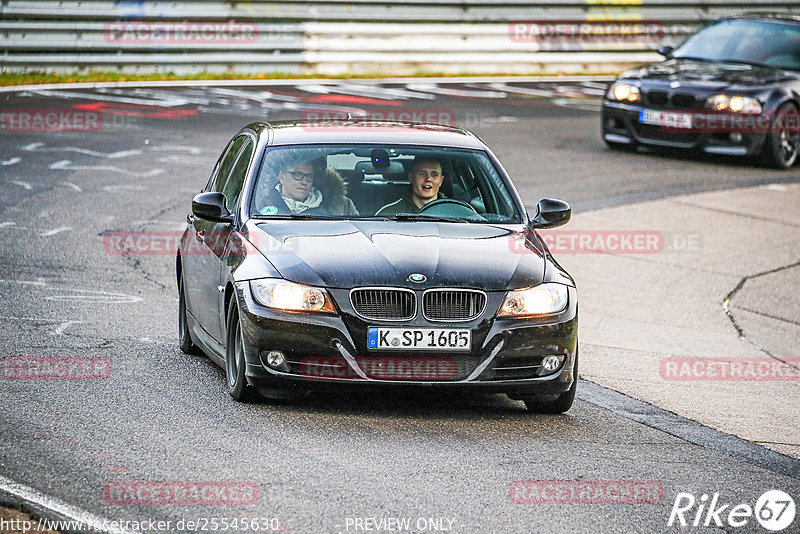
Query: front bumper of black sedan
{"type": "Point", "coordinates": [621, 126]}
{"type": "Point", "coordinates": [330, 350]}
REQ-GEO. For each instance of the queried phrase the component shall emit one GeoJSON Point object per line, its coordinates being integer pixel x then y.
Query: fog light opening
{"type": "Point", "coordinates": [736, 137]}
{"type": "Point", "coordinates": [550, 363]}
{"type": "Point", "coordinates": [275, 359]}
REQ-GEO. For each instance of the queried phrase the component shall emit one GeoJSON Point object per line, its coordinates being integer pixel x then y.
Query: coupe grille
{"type": "Point", "coordinates": [384, 304]}
{"type": "Point", "coordinates": [657, 98]}
{"type": "Point", "coordinates": [683, 101]}
{"type": "Point", "coordinates": [453, 305]}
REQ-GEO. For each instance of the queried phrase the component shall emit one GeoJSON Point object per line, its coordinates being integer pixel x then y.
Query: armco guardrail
{"type": "Point", "coordinates": [353, 36]}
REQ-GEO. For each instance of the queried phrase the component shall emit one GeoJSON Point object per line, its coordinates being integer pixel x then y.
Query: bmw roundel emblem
{"type": "Point", "coordinates": [417, 278]}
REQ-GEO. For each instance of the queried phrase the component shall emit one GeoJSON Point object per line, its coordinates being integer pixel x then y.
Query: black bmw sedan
{"type": "Point", "coordinates": [374, 255]}
{"type": "Point", "coordinates": [732, 88]}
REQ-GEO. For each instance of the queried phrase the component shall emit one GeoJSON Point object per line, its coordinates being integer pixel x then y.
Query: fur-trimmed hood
{"type": "Point", "coordinates": [332, 186]}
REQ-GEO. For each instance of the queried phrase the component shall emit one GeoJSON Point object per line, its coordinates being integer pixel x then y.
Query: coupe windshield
{"type": "Point", "coordinates": [774, 44]}
{"type": "Point", "coordinates": [406, 183]}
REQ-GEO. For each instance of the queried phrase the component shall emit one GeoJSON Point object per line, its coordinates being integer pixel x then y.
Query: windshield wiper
{"type": "Point", "coordinates": [744, 62]}
{"type": "Point", "coordinates": [695, 58]}
{"type": "Point", "coordinates": [424, 217]}
{"type": "Point", "coordinates": [297, 216]}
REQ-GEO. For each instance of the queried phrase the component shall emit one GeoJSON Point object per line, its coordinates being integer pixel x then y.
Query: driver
{"type": "Point", "coordinates": [425, 178]}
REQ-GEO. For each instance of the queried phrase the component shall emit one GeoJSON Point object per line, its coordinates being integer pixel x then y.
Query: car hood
{"type": "Point", "coordinates": [718, 76]}
{"type": "Point", "coordinates": [346, 254]}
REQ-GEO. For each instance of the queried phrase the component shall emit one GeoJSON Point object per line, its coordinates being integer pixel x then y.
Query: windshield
{"type": "Point", "coordinates": [755, 42]}
{"type": "Point", "coordinates": [381, 181]}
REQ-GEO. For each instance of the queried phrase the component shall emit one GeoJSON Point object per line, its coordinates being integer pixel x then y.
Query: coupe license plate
{"type": "Point", "coordinates": [419, 338]}
{"type": "Point", "coordinates": [666, 118]}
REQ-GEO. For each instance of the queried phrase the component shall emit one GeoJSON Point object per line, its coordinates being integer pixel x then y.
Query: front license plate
{"type": "Point", "coordinates": [419, 338]}
{"type": "Point", "coordinates": [667, 119]}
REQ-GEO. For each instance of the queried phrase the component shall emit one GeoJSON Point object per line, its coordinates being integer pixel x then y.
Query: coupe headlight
{"type": "Point", "coordinates": [544, 299]}
{"type": "Point", "coordinates": [285, 295]}
{"type": "Point", "coordinates": [623, 92]}
{"type": "Point", "coordinates": [735, 104]}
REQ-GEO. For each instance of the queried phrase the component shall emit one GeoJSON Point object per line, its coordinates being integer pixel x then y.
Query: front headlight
{"type": "Point", "coordinates": [285, 295]}
{"type": "Point", "coordinates": [735, 104]}
{"type": "Point", "coordinates": [544, 299]}
{"type": "Point", "coordinates": [623, 92]}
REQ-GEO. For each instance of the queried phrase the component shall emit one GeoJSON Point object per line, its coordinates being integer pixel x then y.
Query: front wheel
{"type": "Point", "coordinates": [560, 403]}
{"type": "Point", "coordinates": [783, 141]}
{"type": "Point", "coordinates": [235, 365]}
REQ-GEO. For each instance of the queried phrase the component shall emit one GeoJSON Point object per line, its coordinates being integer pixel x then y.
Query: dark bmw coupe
{"type": "Point", "coordinates": [374, 255]}
{"type": "Point", "coordinates": [732, 88]}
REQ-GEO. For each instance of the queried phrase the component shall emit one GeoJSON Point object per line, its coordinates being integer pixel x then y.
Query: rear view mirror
{"type": "Point", "coordinates": [551, 213]}
{"type": "Point", "coordinates": [211, 207]}
{"type": "Point", "coordinates": [666, 51]}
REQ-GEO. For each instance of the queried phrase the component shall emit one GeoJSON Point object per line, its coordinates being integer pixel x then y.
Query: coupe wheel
{"type": "Point", "coordinates": [558, 404]}
{"type": "Point", "coordinates": [184, 336]}
{"type": "Point", "coordinates": [783, 141]}
{"type": "Point", "coordinates": [235, 366]}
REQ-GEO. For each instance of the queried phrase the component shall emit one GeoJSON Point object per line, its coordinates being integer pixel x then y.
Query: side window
{"type": "Point", "coordinates": [233, 186]}
{"type": "Point", "coordinates": [224, 167]}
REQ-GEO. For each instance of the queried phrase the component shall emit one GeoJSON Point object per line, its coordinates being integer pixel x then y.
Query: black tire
{"type": "Point", "coordinates": [782, 144]}
{"type": "Point", "coordinates": [560, 403]}
{"type": "Point", "coordinates": [184, 335]}
{"type": "Point", "coordinates": [235, 366]}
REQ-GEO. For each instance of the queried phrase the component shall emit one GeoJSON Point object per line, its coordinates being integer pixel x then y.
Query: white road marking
{"type": "Point", "coordinates": [99, 96]}
{"type": "Point", "coordinates": [115, 188]}
{"type": "Point", "coordinates": [73, 186]}
{"type": "Point", "coordinates": [59, 331]}
{"type": "Point", "coordinates": [88, 519]}
{"type": "Point", "coordinates": [55, 231]}
{"type": "Point", "coordinates": [12, 161]}
{"type": "Point", "coordinates": [186, 159]}
{"type": "Point", "coordinates": [175, 148]}
{"type": "Point", "coordinates": [7, 223]}
{"type": "Point", "coordinates": [67, 165]}
{"type": "Point", "coordinates": [520, 90]}
{"type": "Point", "coordinates": [578, 103]}
{"type": "Point", "coordinates": [776, 187]}
{"type": "Point", "coordinates": [435, 89]}
{"type": "Point", "coordinates": [97, 297]}
{"type": "Point", "coordinates": [25, 185]}
{"type": "Point", "coordinates": [38, 282]}
{"type": "Point", "coordinates": [40, 147]}
{"type": "Point", "coordinates": [196, 84]}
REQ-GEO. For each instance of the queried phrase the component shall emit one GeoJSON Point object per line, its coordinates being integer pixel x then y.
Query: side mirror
{"type": "Point", "coordinates": [666, 51]}
{"type": "Point", "coordinates": [551, 213]}
{"type": "Point", "coordinates": [211, 207]}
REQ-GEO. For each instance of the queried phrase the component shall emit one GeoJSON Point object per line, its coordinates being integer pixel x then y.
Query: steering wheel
{"type": "Point", "coordinates": [446, 203]}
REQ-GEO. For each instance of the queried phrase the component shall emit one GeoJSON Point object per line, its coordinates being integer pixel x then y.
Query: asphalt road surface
{"type": "Point", "coordinates": [333, 463]}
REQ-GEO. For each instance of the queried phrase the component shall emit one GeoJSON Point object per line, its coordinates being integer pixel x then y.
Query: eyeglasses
{"type": "Point", "coordinates": [299, 176]}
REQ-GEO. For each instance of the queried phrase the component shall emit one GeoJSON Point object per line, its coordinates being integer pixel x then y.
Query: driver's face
{"type": "Point", "coordinates": [426, 179]}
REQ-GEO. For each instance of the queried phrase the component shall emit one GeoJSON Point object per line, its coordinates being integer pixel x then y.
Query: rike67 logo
{"type": "Point", "coordinates": [774, 510]}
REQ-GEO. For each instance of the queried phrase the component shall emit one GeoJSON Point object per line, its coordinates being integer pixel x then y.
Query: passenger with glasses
{"type": "Point", "coordinates": [308, 187]}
